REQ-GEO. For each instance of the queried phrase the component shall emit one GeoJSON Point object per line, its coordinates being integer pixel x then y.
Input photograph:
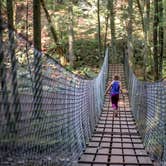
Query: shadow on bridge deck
{"type": "Point", "coordinates": [115, 141]}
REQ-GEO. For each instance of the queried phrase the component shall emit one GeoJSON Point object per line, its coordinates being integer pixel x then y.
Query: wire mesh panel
{"type": "Point", "coordinates": [148, 102]}
{"type": "Point", "coordinates": [46, 119]}
{"type": "Point", "coordinates": [115, 141]}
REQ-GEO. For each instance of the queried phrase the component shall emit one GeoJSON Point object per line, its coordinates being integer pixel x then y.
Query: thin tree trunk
{"type": "Point", "coordinates": [130, 29]}
{"type": "Point", "coordinates": [71, 35]}
{"type": "Point", "coordinates": [112, 27]}
{"type": "Point", "coordinates": [15, 95]}
{"type": "Point", "coordinates": [155, 40]}
{"type": "Point", "coordinates": [161, 38]}
{"type": "Point", "coordinates": [144, 13]}
{"type": "Point", "coordinates": [50, 22]}
{"type": "Point", "coordinates": [130, 11]}
{"type": "Point", "coordinates": [4, 90]}
{"type": "Point", "coordinates": [148, 33]}
{"type": "Point", "coordinates": [164, 56]}
{"type": "Point", "coordinates": [141, 10]}
{"type": "Point", "coordinates": [99, 31]}
{"type": "Point", "coordinates": [141, 14]}
{"type": "Point", "coordinates": [106, 32]}
{"type": "Point", "coordinates": [37, 24]}
{"type": "Point", "coordinates": [147, 3]}
{"type": "Point", "coordinates": [59, 48]}
{"type": "Point", "coordinates": [37, 59]}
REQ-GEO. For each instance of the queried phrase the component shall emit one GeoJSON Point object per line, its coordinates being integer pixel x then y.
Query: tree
{"type": "Point", "coordinates": [144, 9]}
{"type": "Point", "coordinates": [4, 89]}
{"type": "Point", "coordinates": [106, 31]}
{"type": "Point", "coordinates": [99, 33]}
{"type": "Point", "coordinates": [161, 38]}
{"type": "Point", "coordinates": [55, 37]}
{"type": "Point", "coordinates": [59, 48]}
{"type": "Point", "coordinates": [130, 29]}
{"type": "Point", "coordinates": [37, 58]}
{"type": "Point", "coordinates": [71, 34]}
{"type": "Point", "coordinates": [155, 40]}
{"type": "Point", "coordinates": [164, 26]}
{"type": "Point", "coordinates": [112, 26]}
{"type": "Point", "coordinates": [147, 50]}
{"type": "Point", "coordinates": [14, 86]}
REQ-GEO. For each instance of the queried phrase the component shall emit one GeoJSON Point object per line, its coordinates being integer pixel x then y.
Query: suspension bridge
{"type": "Point", "coordinates": [56, 118]}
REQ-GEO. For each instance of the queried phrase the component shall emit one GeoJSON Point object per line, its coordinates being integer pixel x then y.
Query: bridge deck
{"type": "Point", "coordinates": [115, 141]}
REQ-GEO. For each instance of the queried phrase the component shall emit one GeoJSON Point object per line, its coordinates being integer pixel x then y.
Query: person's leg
{"type": "Point", "coordinates": [113, 101]}
{"type": "Point", "coordinates": [116, 104]}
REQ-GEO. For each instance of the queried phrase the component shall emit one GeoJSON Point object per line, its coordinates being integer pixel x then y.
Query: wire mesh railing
{"type": "Point", "coordinates": [148, 104]}
{"type": "Point", "coordinates": [51, 116]}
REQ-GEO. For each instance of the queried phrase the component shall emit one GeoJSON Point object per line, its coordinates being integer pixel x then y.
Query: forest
{"type": "Point", "coordinates": [54, 71]}
{"type": "Point", "coordinates": [77, 32]}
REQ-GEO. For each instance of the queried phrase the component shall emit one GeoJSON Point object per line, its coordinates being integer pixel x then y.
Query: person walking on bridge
{"type": "Point", "coordinates": [115, 88]}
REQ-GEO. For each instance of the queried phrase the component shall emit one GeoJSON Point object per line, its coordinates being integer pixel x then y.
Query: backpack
{"type": "Point", "coordinates": [115, 87]}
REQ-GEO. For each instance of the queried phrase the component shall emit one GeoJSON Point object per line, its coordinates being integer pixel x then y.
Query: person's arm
{"type": "Point", "coordinates": [109, 86]}
{"type": "Point", "coordinates": [122, 91]}
{"type": "Point", "coordinates": [120, 87]}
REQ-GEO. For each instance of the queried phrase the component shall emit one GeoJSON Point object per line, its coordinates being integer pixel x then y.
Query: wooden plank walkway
{"type": "Point", "coordinates": [115, 141]}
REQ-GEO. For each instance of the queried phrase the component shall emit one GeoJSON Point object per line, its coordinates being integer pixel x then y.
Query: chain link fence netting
{"type": "Point", "coordinates": [148, 104]}
{"type": "Point", "coordinates": [47, 114]}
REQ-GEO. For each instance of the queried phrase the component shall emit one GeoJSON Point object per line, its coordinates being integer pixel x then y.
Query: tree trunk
{"type": "Point", "coordinates": [155, 40]}
{"type": "Point", "coordinates": [106, 32]}
{"type": "Point", "coordinates": [112, 27]}
{"type": "Point", "coordinates": [59, 48]}
{"type": "Point", "coordinates": [141, 14]}
{"type": "Point", "coordinates": [144, 13]}
{"type": "Point", "coordinates": [164, 56]}
{"type": "Point", "coordinates": [37, 24]}
{"type": "Point", "coordinates": [99, 31]}
{"type": "Point", "coordinates": [37, 59]}
{"type": "Point", "coordinates": [71, 35]}
{"type": "Point", "coordinates": [147, 3]}
{"type": "Point", "coordinates": [3, 80]}
{"type": "Point", "coordinates": [14, 90]}
{"type": "Point", "coordinates": [50, 22]}
{"type": "Point", "coordinates": [147, 35]}
{"type": "Point", "coordinates": [130, 29]}
{"type": "Point", "coordinates": [141, 11]}
{"type": "Point", "coordinates": [130, 11]}
{"type": "Point", "coordinates": [161, 38]}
